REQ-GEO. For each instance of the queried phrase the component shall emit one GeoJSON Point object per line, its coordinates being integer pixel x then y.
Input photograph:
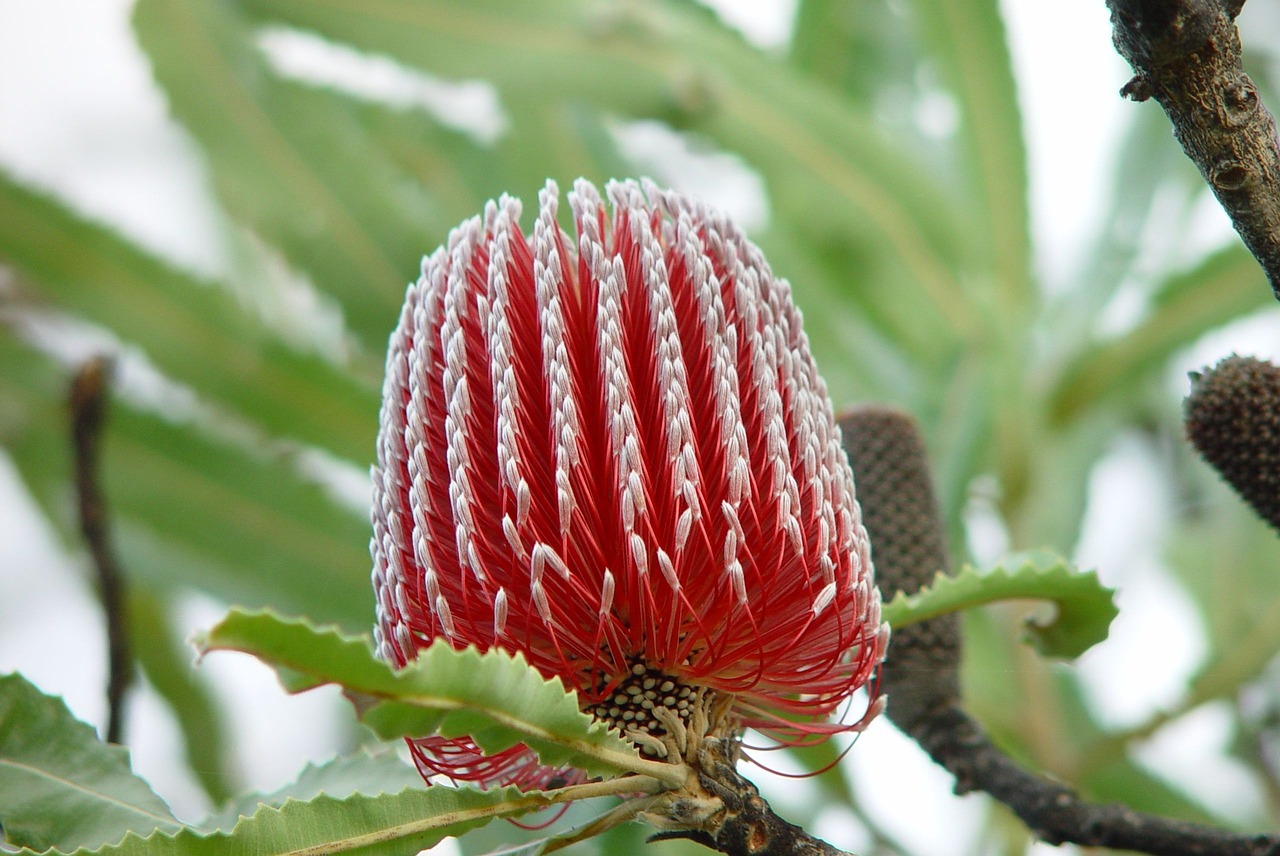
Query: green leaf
{"type": "Point", "coordinates": [188, 510]}
{"type": "Point", "coordinates": [869, 362]}
{"type": "Point", "coordinates": [1218, 551]}
{"type": "Point", "coordinates": [494, 698]}
{"type": "Point", "coordinates": [308, 182]}
{"type": "Point", "coordinates": [826, 166]}
{"type": "Point", "coordinates": [1085, 608]}
{"type": "Point", "coordinates": [362, 773]}
{"type": "Point", "coordinates": [33, 389]}
{"type": "Point", "coordinates": [245, 529]}
{"type": "Point", "coordinates": [1189, 304]}
{"type": "Point", "coordinates": [191, 329]}
{"type": "Point", "coordinates": [873, 52]}
{"type": "Point", "coordinates": [1152, 178]}
{"type": "Point", "coordinates": [1103, 770]}
{"type": "Point", "coordinates": [858, 47]}
{"type": "Point", "coordinates": [60, 786]}
{"type": "Point", "coordinates": [967, 39]}
{"type": "Point", "coordinates": [166, 662]}
{"type": "Point", "coordinates": [384, 825]}
{"type": "Point", "coordinates": [348, 191]}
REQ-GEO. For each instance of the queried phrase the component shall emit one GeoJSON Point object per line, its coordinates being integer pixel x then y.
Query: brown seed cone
{"type": "Point", "coordinates": [1232, 417]}
{"type": "Point", "coordinates": [900, 513]}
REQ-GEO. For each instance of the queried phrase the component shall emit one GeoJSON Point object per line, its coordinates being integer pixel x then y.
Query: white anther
{"type": "Point", "coordinates": [824, 598]}
{"type": "Point", "coordinates": [500, 613]}
{"type": "Point", "coordinates": [606, 592]}
{"type": "Point", "coordinates": [668, 569]}
{"type": "Point", "coordinates": [540, 602]}
{"type": "Point", "coordinates": [738, 578]}
{"type": "Point", "coordinates": [639, 554]}
{"type": "Point", "coordinates": [445, 616]}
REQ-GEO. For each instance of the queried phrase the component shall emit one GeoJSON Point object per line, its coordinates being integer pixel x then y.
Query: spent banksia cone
{"type": "Point", "coordinates": [611, 451]}
{"type": "Point", "coordinates": [1232, 417]}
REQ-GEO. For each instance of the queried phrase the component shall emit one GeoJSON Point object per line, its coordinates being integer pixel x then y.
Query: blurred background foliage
{"type": "Point", "coordinates": [908, 244]}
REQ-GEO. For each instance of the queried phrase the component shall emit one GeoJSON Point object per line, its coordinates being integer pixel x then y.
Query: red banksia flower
{"type": "Point", "coordinates": [612, 451]}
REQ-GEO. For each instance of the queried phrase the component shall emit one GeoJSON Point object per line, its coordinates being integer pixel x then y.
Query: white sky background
{"type": "Point", "coordinates": [79, 114]}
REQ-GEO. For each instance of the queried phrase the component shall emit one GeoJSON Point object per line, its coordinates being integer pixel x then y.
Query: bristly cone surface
{"type": "Point", "coordinates": [1232, 417]}
{"type": "Point", "coordinates": [921, 673]}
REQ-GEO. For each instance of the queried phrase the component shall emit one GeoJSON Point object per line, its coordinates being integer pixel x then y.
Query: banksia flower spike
{"type": "Point", "coordinates": [611, 451]}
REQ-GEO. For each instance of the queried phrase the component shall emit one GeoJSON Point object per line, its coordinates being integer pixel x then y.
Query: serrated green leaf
{"type": "Point", "coordinates": [1085, 607]}
{"type": "Point", "coordinates": [362, 773]}
{"type": "Point", "coordinates": [494, 698]}
{"type": "Point", "coordinates": [60, 786]}
{"type": "Point", "coordinates": [384, 825]}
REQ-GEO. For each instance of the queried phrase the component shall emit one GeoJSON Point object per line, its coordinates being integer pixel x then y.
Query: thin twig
{"type": "Point", "coordinates": [88, 410]}
{"type": "Point", "coordinates": [921, 669]}
{"type": "Point", "coordinates": [1186, 55]}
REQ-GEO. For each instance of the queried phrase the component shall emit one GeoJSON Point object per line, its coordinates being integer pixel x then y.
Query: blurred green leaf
{"type": "Point", "coordinates": [191, 511]}
{"type": "Point", "coordinates": [1227, 559]}
{"type": "Point", "coordinates": [338, 778]}
{"type": "Point", "coordinates": [60, 786]}
{"type": "Point", "coordinates": [1104, 772]}
{"type": "Point", "coordinates": [290, 161]}
{"type": "Point", "coordinates": [34, 420]}
{"type": "Point", "coordinates": [166, 661]}
{"type": "Point", "coordinates": [1085, 607]}
{"type": "Point", "coordinates": [494, 698]}
{"type": "Point", "coordinates": [191, 330]}
{"type": "Point", "coordinates": [276, 540]}
{"type": "Point", "coordinates": [1123, 780]}
{"type": "Point", "coordinates": [1051, 511]}
{"type": "Point", "coordinates": [1219, 550]}
{"type": "Point", "coordinates": [1224, 286]}
{"type": "Point", "coordinates": [967, 40]}
{"type": "Point", "coordinates": [1152, 183]}
{"type": "Point", "coordinates": [863, 49]}
{"type": "Point", "coordinates": [352, 193]}
{"type": "Point", "coordinates": [827, 168]}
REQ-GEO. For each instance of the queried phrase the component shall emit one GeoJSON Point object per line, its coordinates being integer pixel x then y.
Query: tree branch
{"type": "Point", "coordinates": [1186, 55]}
{"type": "Point", "coordinates": [921, 671]}
{"type": "Point", "coordinates": [740, 822]}
{"type": "Point", "coordinates": [1055, 813]}
{"type": "Point", "coordinates": [88, 409]}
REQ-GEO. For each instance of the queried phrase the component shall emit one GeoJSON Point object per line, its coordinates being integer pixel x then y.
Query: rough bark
{"type": "Point", "coordinates": [1186, 55]}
